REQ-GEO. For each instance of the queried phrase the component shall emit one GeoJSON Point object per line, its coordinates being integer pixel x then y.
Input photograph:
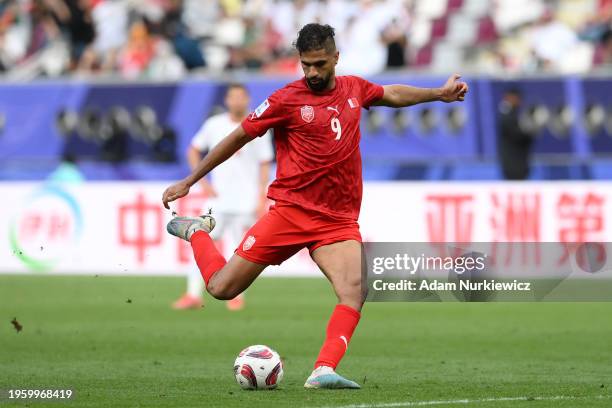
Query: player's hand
{"type": "Point", "coordinates": [175, 191]}
{"type": "Point", "coordinates": [453, 90]}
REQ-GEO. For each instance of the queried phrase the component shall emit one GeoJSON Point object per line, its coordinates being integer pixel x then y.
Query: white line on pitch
{"type": "Point", "coordinates": [467, 401]}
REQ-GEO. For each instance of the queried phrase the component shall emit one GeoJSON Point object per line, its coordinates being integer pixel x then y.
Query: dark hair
{"type": "Point", "coordinates": [315, 37]}
{"type": "Point", "coordinates": [237, 85]}
{"type": "Point", "coordinates": [514, 91]}
{"type": "Point", "coordinates": [69, 157]}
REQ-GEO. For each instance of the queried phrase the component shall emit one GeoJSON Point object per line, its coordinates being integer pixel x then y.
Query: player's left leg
{"type": "Point", "coordinates": [192, 298]}
{"type": "Point", "coordinates": [341, 262]}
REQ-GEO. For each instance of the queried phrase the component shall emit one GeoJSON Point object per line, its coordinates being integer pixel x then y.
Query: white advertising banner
{"type": "Point", "coordinates": [119, 227]}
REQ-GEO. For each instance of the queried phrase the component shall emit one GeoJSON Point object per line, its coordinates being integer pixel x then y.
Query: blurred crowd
{"type": "Point", "coordinates": [164, 39]}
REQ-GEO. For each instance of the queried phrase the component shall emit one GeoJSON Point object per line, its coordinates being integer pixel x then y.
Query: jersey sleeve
{"type": "Point", "coordinates": [370, 92]}
{"type": "Point", "coordinates": [268, 115]}
{"type": "Point", "coordinates": [201, 139]}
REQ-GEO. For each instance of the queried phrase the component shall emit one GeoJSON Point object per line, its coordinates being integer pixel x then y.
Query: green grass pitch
{"type": "Point", "coordinates": [117, 343]}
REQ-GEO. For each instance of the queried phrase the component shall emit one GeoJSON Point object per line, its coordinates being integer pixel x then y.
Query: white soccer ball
{"type": "Point", "coordinates": [258, 368]}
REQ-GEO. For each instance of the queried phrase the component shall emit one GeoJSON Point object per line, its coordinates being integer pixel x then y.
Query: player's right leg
{"type": "Point", "coordinates": [341, 264]}
{"type": "Point", "coordinates": [224, 280]}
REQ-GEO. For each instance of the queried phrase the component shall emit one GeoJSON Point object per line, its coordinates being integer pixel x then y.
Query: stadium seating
{"type": "Point", "coordinates": [215, 36]}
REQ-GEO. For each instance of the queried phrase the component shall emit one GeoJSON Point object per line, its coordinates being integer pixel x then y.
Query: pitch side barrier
{"type": "Point", "coordinates": [547, 234]}
{"type": "Point", "coordinates": [124, 123]}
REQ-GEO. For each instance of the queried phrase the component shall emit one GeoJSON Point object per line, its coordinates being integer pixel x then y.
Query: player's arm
{"type": "Point", "coordinates": [194, 155]}
{"type": "Point", "coordinates": [217, 155]}
{"type": "Point", "coordinates": [399, 96]}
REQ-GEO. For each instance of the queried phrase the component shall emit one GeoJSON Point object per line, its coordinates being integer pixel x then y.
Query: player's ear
{"type": "Point", "coordinates": [336, 56]}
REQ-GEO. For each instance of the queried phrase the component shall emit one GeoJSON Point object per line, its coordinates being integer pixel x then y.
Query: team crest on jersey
{"type": "Point", "coordinates": [248, 243]}
{"type": "Point", "coordinates": [307, 112]}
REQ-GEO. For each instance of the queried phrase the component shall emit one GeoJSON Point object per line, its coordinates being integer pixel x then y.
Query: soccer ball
{"type": "Point", "coordinates": [258, 368]}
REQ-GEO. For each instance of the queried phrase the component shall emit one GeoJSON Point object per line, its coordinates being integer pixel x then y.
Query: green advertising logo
{"type": "Point", "coordinates": [39, 264]}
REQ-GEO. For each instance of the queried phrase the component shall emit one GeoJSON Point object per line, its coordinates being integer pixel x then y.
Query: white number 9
{"type": "Point", "coordinates": [335, 125]}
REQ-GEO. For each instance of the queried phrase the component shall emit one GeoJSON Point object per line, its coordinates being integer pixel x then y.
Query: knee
{"type": "Point", "coordinates": [352, 285]}
{"type": "Point", "coordinates": [221, 290]}
{"type": "Point", "coordinates": [351, 293]}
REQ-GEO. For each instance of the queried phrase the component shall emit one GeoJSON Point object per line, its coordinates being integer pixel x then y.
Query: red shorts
{"type": "Point", "coordinates": [287, 228]}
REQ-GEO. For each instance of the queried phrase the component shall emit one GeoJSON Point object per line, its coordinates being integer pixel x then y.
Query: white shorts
{"type": "Point", "coordinates": [230, 229]}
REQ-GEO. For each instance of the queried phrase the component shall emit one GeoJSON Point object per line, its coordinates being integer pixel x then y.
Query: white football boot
{"type": "Point", "coordinates": [326, 378]}
{"type": "Point", "coordinates": [184, 227]}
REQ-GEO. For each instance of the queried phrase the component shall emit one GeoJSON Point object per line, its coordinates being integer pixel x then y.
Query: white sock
{"type": "Point", "coordinates": [320, 370]}
{"type": "Point", "coordinates": [195, 283]}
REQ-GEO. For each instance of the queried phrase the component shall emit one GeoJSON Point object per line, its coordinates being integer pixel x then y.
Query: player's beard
{"type": "Point", "coordinates": [318, 86]}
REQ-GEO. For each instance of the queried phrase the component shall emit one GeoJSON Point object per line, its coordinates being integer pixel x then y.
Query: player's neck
{"type": "Point", "coordinates": [331, 85]}
{"type": "Point", "coordinates": [237, 117]}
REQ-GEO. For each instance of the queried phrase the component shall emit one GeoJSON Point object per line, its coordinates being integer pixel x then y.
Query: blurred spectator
{"type": "Point", "coordinates": [67, 171]}
{"type": "Point", "coordinates": [513, 143]}
{"type": "Point", "coordinates": [166, 65]}
{"type": "Point", "coordinates": [75, 19]}
{"type": "Point", "coordinates": [137, 54]}
{"type": "Point", "coordinates": [288, 17]}
{"type": "Point", "coordinates": [363, 50]}
{"type": "Point", "coordinates": [512, 14]}
{"type": "Point", "coordinates": [199, 16]}
{"type": "Point", "coordinates": [15, 32]}
{"type": "Point", "coordinates": [337, 13]}
{"type": "Point", "coordinates": [50, 37]}
{"type": "Point", "coordinates": [395, 37]}
{"type": "Point", "coordinates": [603, 55]}
{"type": "Point", "coordinates": [178, 33]}
{"type": "Point", "coordinates": [253, 52]}
{"type": "Point", "coordinates": [551, 41]}
{"type": "Point", "coordinates": [43, 27]}
{"type": "Point", "coordinates": [110, 20]}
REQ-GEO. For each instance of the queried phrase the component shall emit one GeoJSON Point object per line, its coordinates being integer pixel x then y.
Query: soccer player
{"type": "Point", "coordinates": [317, 190]}
{"type": "Point", "coordinates": [237, 189]}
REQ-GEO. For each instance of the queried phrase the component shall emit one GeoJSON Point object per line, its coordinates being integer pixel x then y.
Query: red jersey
{"type": "Point", "coordinates": [317, 143]}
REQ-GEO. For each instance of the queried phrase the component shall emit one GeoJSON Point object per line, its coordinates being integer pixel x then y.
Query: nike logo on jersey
{"type": "Point", "coordinates": [344, 340]}
{"type": "Point", "coordinates": [333, 108]}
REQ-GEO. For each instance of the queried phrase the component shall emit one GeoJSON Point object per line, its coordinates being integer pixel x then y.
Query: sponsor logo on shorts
{"type": "Point", "coordinates": [248, 243]}
{"type": "Point", "coordinates": [307, 112]}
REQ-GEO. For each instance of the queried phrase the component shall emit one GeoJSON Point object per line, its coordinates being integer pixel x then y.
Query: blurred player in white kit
{"type": "Point", "coordinates": [237, 190]}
